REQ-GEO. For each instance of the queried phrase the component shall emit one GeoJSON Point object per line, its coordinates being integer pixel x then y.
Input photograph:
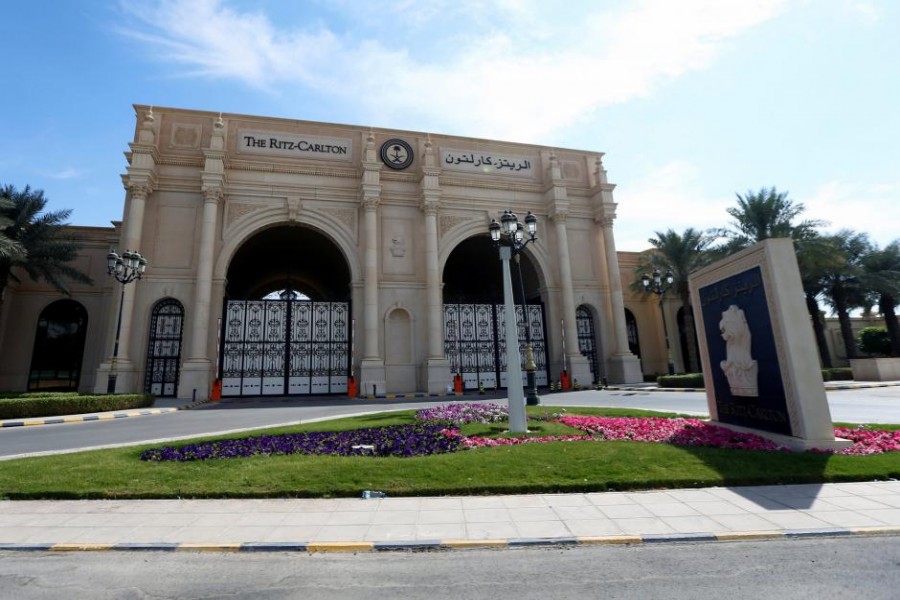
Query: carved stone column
{"type": "Point", "coordinates": [130, 240]}
{"type": "Point", "coordinates": [196, 373]}
{"type": "Point", "coordinates": [624, 367]}
{"type": "Point", "coordinates": [577, 365]}
{"type": "Point", "coordinates": [372, 374]}
{"type": "Point", "coordinates": [437, 365]}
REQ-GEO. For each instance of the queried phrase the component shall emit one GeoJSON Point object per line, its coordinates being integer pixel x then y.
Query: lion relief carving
{"type": "Point", "coordinates": [739, 367]}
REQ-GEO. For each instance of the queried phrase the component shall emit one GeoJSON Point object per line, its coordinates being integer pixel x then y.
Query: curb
{"type": "Point", "coordinates": [350, 547]}
{"type": "Point", "coordinates": [828, 388]}
{"type": "Point", "coordinates": [82, 418]}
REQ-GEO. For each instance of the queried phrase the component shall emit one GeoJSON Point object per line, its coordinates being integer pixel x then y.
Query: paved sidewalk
{"type": "Point", "coordinates": [354, 525]}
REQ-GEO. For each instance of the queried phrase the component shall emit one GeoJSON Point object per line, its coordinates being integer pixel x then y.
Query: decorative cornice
{"type": "Point", "coordinates": [181, 161]}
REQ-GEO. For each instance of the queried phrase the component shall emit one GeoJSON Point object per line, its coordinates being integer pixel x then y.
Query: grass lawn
{"type": "Point", "coordinates": [547, 467]}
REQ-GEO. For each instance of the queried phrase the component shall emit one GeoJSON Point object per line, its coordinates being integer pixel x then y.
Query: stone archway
{"type": "Point", "coordinates": [474, 339]}
{"type": "Point", "coordinates": [58, 347]}
{"type": "Point", "coordinates": [298, 344]}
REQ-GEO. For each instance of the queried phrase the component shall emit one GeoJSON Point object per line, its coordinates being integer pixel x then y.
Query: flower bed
{"type": "Point", "coordinates": [682, 432]}
{"type": "Point", "coordinates": [395, 440]}
{"type": "Point", "coordinates": [868, 441]}
{"type": "Point", "coordinates": [436, 432]}
{"type": "Point", "coordinates": [462, 413]}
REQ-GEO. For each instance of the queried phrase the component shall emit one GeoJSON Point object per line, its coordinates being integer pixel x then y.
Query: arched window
{"type": "Point", "coordinates": [634, 346]}
{"type": "Point", "coordinates": [587, 340]}
{"type": "Point", "coordinates": [58, 347]}
{"type": "Point", "coordinates": [164, 351]}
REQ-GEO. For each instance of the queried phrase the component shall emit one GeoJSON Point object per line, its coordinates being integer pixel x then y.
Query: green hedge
{"type": "Point", "coordinates": [837, 374]}
{"type": "Point", "coordinates": [34, 404]}
{"type": "Point", "coordinates": [695, 380]}
{"type": "Point", "coordinates": [685, 380]}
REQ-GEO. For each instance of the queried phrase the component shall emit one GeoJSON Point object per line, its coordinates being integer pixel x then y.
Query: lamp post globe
{"type": "Point", "coordinates": [511, 237]}
{"type": "Point", "coordinates": [125, 269]}
{"type": "Point", "coordinates": [659, 284]}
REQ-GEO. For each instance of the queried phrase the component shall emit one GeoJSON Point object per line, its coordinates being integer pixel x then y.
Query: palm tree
{"type": "Point", "coordinates": [9, 248]}
{"type": "Point", "coordinates": [681, 254]}
{"type": "Point", "coordinates": [843, 283]}
{"type": "Point", "coordinates": [41, 247]}
{"type": "Point", "coordinates": [816, 258]}
{"type": "Point", "coordinates": [881, 275]}
{"type": "Point", "coordinates": [763, 215]}
{"type": "Point", "coordinates": [771, 214]}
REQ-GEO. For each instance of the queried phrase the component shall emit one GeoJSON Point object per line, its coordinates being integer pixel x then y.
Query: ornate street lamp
{"type": "Point", "coordinates": [125, 269]}
{"type": "Point", "coordinates": [511, 237]}
{"type": "Point", "coordinates": [659, 285]}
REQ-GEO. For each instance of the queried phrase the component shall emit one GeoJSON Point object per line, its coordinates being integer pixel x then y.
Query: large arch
{"type": "Point", "coordinates": [535, 254]}
{"type": "Point", "coordinates": [474, 335]}
{"type": "Point", "coordinates": [280, 257]}
{"type": "Point", "coordinates": [290, 345]}
{"type": "Point", "coordinates": [58, 347]}
{"type": "Point", "coordinates": [265, 219]}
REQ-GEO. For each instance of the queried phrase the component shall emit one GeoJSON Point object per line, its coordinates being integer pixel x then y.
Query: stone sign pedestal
{"type": "Point", "coordinates": [760, 363]}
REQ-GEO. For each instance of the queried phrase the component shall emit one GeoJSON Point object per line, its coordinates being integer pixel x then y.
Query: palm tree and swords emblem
{"type": "Point", "coordinates": [396, 154]}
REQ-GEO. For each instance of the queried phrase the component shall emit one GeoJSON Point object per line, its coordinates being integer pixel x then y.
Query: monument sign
{"type": "Point", "coordinates": [760, 362]}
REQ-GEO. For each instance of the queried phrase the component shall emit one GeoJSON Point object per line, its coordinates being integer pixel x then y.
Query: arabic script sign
{"type": "Point", "coordinates": [747, 379]}
{"type": "Point", "coordinates": [294, 145]}
{"type": "Point", "coordinates": [486, 162]}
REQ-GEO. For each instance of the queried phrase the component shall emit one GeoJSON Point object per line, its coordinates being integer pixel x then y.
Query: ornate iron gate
{"type": "Point", "coordinates": [587, 341]}
{"type": "Point", "coordinates": [475, 343]}
{"type": "Point", "coordinates": [164, 351]}
{"type": "Point", "coordinates": [285, 347]}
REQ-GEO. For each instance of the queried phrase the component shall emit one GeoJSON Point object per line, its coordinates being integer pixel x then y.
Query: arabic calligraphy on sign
{"type": "Point", "coordinates": [485, 162]}
{"type": "Point", "coordinates": [726, 291]}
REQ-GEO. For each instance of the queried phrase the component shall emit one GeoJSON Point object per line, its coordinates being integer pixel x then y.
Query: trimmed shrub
{"type": "Point", "coordinates": [52, 405]}
{"type": "Point", "coordinates": [837, 374]}
{"type": "Point", "coordinates": [875, 341]}
{"type": "Point", "coordinates": [685, 380]}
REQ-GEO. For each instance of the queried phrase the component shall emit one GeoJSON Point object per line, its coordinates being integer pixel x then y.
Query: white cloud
{"type": "Point", "coordinates": [668, 197]}
{"type": "Point", "coordinates": [870, 208]}
{"type": "Point", "coordinates": [517, 71]}
{"type": "Point", "coordinates": [67, 173]}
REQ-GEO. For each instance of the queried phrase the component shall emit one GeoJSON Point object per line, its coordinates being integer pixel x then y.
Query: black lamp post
{"type": "Point", "coordinates": [125, 269]}
{"type": "Point", "coordinates": [512, 234]}
{"type": "Point", "coordinates": [659, 285]}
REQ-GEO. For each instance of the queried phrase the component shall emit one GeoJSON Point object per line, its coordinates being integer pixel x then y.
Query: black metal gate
{"type": "Point", "coordinates": [285, 347]}
{"type": "Point", "coordinates": [164, 348]}
{"type": "Point", "coordinates": [475, 343]}
{"type": "Point", "coordinates": [587, 341]}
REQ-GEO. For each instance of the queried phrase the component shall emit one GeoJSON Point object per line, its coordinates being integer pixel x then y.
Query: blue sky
{"type": "Point", "coordinates": [691, 100]}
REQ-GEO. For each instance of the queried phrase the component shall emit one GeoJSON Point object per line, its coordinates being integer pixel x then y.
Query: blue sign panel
{"type": "Point", "coordinates": [747, 382]}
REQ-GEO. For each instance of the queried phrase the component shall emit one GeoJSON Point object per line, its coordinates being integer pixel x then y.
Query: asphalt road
{"type": "Point", "coordinates": [872, 405]}
{"type": "Point", "coordinates": [820, 568]}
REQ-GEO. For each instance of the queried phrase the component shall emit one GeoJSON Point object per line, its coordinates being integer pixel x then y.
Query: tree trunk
{"type": "Point", "coordinates": [843, 313]}
{"type": "Point", "coordinates": [4, 280]}
{"type": "Point", "coordinates": [693, 364]}
{"type": "Point", "coordinates": [886, 304]}
{"type": "Point", "coordinates": [812, 305]}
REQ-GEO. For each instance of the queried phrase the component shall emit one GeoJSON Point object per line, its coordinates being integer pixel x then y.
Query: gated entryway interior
{"type": "Point", "coordinates": [164, 348]}
{"type": "Point", "coordinates": [58, 347]}
{"type": "Point", "coordinates": [286, 324]}
{"type": "Point", "coordinates": [474, 331]}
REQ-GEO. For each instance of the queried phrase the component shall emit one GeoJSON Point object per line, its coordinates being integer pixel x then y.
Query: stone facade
{"type": "Point", "coordinates": [381, 210]}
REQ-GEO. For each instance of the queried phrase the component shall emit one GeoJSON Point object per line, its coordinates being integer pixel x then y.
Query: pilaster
{"type": "Point", "coordinates": [436, 364]}
{"type": "Point", "coordinates": [372, 373]}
